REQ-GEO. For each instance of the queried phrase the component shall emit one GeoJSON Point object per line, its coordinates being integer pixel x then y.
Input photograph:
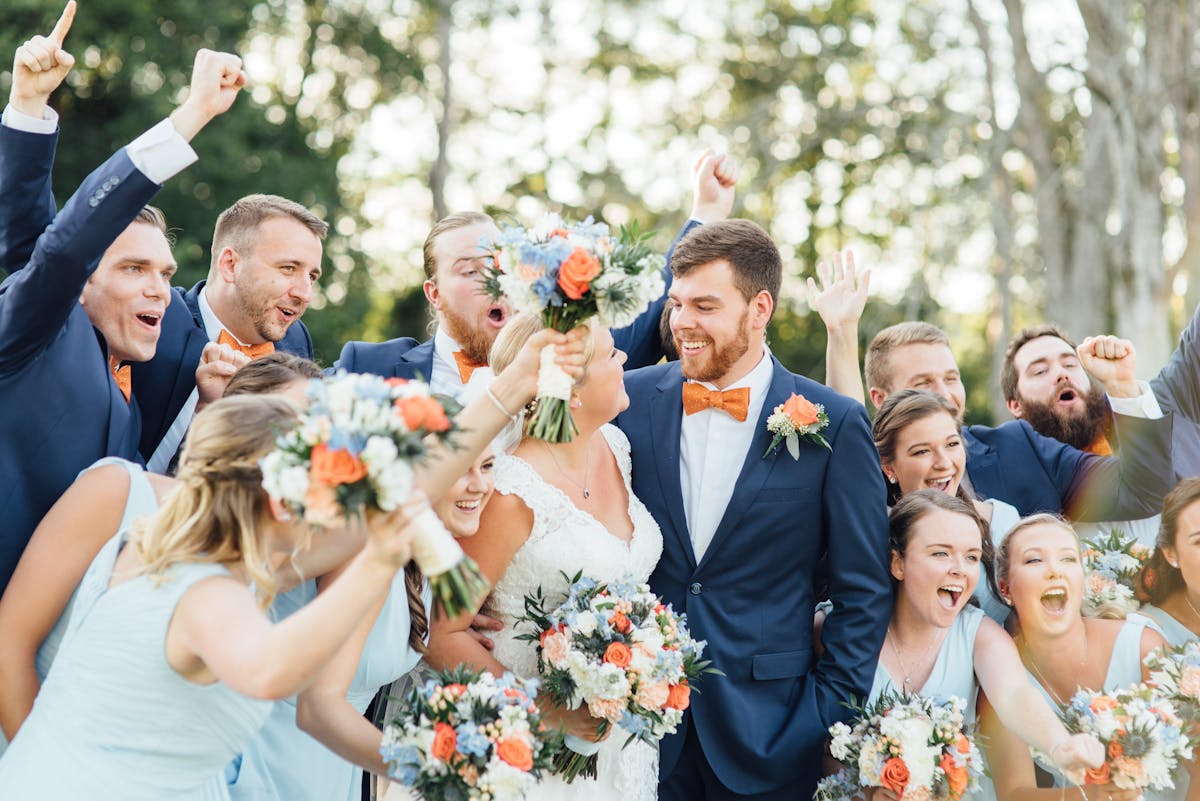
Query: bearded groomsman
{"type": "Point", "coordinates": [748, 530]}
{"type": "Point", "coordinates": [90, 291]}
{"type": "Point", "coordinates": [467, 320]}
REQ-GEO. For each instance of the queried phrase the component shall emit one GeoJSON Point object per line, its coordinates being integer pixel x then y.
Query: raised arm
{"type": "Point", "coordinates": [840, 301]}
{"type": "Point", "coordinates": [713, 178]}
{"type": "Point", "coordinates": [36, 301]}
{"type": "Point", "coordinates": [28, 137]}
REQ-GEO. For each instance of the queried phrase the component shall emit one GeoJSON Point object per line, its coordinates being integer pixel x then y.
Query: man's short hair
{"type": "Point", "coordinates": [238, 224]}
{"type": "Point", "coordinates": [1008, 370]}
{"type": "Point", "coordinates": [878, 366]}
{"type": "Point", "coordinates": [460, 219]}
{"type": "Point", "coordinates": [152, 215]}
{"type": "Point", "coordinates": [746, 247]}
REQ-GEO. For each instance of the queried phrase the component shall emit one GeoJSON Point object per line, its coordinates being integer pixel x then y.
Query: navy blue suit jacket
{"type": "Point", "coordinates": [404, 357]}
{"type": "Point", "coordinates": [1034, 473]}
{"type": "Point", "coordinates": [1177, 388]}
{"type": "Point", "coordinates": [163, 384]}
{"type": "Point", "coordinates": [60, 410]}
{"type": "Point", "coordinates": [763, 724]}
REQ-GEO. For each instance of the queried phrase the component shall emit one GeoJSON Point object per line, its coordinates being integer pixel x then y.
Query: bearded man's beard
{"type": "Point", "coordinates": [474, 340]}
{"type": "Point", "coordinates": [1079, 431]}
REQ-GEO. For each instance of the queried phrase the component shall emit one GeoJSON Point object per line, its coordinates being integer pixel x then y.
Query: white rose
{"type": "Point", "coordinates": [586, 623]}
{"type": "Point", "coordinates": [379, 452]}
{"type": "Point", "coordinates": [394, 484]}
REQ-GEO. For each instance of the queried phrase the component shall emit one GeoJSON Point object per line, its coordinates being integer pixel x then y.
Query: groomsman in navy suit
{"type": "Point", "coordinates": [468, 320]}
{"type": "Point", "coordinates": [90, 292]}
{"type": "Point", "coordinates": [749, 535]}
{"type": "Point", "coordinates": [1014, 463]}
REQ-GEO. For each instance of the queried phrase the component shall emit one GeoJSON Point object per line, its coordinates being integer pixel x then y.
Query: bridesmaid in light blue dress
{"type": "Point", "coordinates": [938, 645]}
{"type": "Point", "coordinates": [162, 676]}
{"type": "Point", "coordinates": [296, 755]}
{"type": "Point", "coordinates": [1040, 571]}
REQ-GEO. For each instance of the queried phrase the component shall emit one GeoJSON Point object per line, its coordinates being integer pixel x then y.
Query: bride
{"type": "Point", "coordinates": [562, 508]}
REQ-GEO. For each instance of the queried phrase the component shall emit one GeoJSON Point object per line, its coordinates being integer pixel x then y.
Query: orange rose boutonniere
{"type": "Point", "coordinates": [795, 418]}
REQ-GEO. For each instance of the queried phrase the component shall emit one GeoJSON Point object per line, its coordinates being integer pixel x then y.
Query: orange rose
{"type": "Point", "coordinates": [576, 273]}
{"type": "Point", "coordinates": [618, 654]}
{"type": "Point", "coordinates": [800, 410]}
{"type": "Point", "coordinates": [1100, 775]}
{"type": "Point", "coordinates": [421, 411]}
{"type": "Point", "coordinates": [620, 622]}
{"type": "Point", "coordinates": [515, 752]}
{"type": "Point", "coordinates": [962, 744]}
{"type": "Point", "coordinates": [321, 504]}
{"type": "Point", "coordinates": [1115, 750]}
{"type": "Point", "coordinates": [445, 741]}
{"type": "Point", "coordinates": [894, 775]}
{"type": "Point", "coordinates": [1102, 703]}
{"type": "Point", "coordinates": [956, 776]}
{"type": "Point", "coordinates": [335, 467]}
{"type": "Point", "coordinates": [679, 696]}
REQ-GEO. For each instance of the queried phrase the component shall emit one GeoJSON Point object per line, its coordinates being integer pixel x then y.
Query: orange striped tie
{"type": "Point", "coordinates": [252, 351]}
{"type": "Point", "coordinates": [734, 402]}
{"type": "Point", "coordinates": [122, 375]}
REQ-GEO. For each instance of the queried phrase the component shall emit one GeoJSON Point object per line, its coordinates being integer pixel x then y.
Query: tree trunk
{"type": "Point", "coordinates": [441, 163]}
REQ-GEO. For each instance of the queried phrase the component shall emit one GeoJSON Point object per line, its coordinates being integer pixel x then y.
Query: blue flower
{"type": "Point", "coordinates": [345, 440]}
{"type": "Point", "coordinates": [546, 288]}
{"type": "Point", "coordinates": [404, 762]}
{"type": "Point", "coordinates": [633, 724]}
{"type": "Point", "coordinates": [471, 742]}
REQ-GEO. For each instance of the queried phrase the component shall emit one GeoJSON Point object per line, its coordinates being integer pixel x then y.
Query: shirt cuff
{"type": "Point", "coordinates": [1144, 405]}
{"type": "Point", "coordinates": [20, 121]}
{"type": "Point", "coordinates": [161, 153]}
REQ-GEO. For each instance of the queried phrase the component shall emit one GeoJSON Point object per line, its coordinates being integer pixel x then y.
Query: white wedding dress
{"type": "Point", "coordinates": [566, 539]}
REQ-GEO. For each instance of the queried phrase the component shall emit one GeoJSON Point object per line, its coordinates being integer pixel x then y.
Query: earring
{"type": "Point", "coordinates": [576, 403]}
{"type": "Point", "coordinates": [1173, 564]}
{"type": "Point", "coordinates": [891, 479]}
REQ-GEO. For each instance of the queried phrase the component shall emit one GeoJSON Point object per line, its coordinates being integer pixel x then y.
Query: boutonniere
{"type": "Point", "coordinates": [795, 418]}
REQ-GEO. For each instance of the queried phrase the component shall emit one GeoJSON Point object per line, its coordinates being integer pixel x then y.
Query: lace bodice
{"type": "Point", "coordinates": [565, 539]}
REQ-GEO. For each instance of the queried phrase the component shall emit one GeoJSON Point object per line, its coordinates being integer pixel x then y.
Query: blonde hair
{"type": "Point", "coordinates": [214, 513]}
{"type": "Point", "coordinates": [508, 344]}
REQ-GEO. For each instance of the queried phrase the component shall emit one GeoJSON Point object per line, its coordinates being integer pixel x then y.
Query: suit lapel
{"type": "Point", "coordinates": [416, 362]}
{"type": "Point", "coordinates": [191, 299]}
{"type": "Point", "coordinates": [755, 468]}
{"type": "Point", "coordinates": [666, 415]}
{"type": "Point", "coordinates": [983, 467]}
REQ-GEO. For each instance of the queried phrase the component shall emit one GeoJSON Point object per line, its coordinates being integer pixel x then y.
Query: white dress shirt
{"type": "Point", "coordinates": [446, 379]}
{"type": "Point", "coordinates": [712, 448]}
{"type": "Point", "coordinates": [159, 154]}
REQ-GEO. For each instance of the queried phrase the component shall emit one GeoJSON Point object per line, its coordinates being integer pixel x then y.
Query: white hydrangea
{"type": "Point", "coordinates": [394, 484]}
{"type": "Point", "coordinates": [548, 224]}
{"type": "Point", "coordinates": [586, 623]}
{"type": "Point", "coordinates": [504, 781]}
{"type": "Point", "coordinates": [379, 453]}
{"type": "Point", "coordinates": [520, 294]}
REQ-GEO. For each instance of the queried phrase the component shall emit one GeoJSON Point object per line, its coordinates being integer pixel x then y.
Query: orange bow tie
{"type": "Point", "coordinates": [466, 365]}
{"type": "Point", "coordinates": [734, 402]}
{"type": "Point", "coordinates": [122, 375]}
{"type": "Point", "coordinates": [251, 351]}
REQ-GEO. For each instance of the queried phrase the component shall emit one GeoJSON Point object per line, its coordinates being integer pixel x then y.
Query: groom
{"type": "Point", "coordinates": [748, 538]}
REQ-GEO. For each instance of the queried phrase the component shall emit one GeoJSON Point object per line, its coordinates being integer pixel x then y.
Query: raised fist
{"type": "Point", "coordinates": [216, 80]}
{"type": "Point", "coordinates": [713, 177]}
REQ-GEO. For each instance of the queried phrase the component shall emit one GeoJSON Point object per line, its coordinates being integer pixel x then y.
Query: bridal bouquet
{"type": "Point", "coordinates": [567, 273]}
{"type": "Point", "coordinates": [468, 735]}
{"type": "Point", "coordinates": [1112, 563]}
{"type": "Point", "coordinates": [909, 744]}
{"type": "Point", "coordinates": [618, 649]}
{"type": "Point", "coordinates": [354, 451]}
{"type": "Point", "coordinates": [1175, 673]}
{"type": "Point", "coordinates": [1141, 733]}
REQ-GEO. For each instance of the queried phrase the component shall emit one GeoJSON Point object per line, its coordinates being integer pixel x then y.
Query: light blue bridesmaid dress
{"type": "Point", "coordinates": [140, 502]}
{"type": "Point", "coordinates": [284, 763]}
{"type": "Point", "coordinates": [1175, 632]}
{"type": "Point", "coordinates": [114, 720]}
{"type": "Point", "coordinates": [1124, 669]}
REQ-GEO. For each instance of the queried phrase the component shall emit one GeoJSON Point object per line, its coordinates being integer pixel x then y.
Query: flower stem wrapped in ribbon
{"type": "Point", "coordinates": [464, 734]}
{"type": "Point", "coordinates": [567, 274]}
{"type": "Point", "coordinates": [914, 746]}
{"type": "Point", "coordinates": [353, 451]}
{"type": "Point", "coordinates": [620, 650]}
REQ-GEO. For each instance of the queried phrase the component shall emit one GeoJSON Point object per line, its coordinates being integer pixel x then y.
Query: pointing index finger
{"type": "Point", "coordinates": [64, 24]}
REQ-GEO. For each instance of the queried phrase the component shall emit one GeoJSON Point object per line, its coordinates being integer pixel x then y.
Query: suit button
{"type": "Point", "coordinates": [695, 589]}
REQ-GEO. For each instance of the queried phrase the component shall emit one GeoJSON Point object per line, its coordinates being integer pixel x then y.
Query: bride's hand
{"type": "Point", "coordinates": [517, 384]}
{"type": "Point", "coordinates": [578, 722]}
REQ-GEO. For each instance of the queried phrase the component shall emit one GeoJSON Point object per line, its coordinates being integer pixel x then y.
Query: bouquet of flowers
{"type": "Point", "coordinates": [467, 735]}
{"type": "Point", "coordinates": [353, 451]}
{"type": "Point", "coordinates": [910, 744]}
{"type": "Point", "coordinates": [1141, 733]}
{"type": "Point", "coordinates": [618, 649]}
{"type": "Point", "coordinates": [1112, 563]}
{"type": "Point", "coordinates": [1175, 673]}
{"type": "Point", "coordinates": [567, 274]}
